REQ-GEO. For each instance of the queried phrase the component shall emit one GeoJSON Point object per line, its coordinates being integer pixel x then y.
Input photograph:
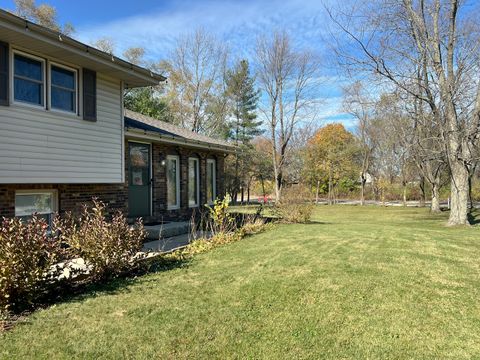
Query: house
{"type": "Point", "coordinates": [65, 136]}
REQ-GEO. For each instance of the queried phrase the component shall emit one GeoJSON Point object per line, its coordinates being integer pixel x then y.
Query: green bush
{"type": "Point", "coordinates": [295, 206]}
{"type": "Point", "coordinates": [108, 246]}
{"type": "Point", "coordinates": [27, 253]}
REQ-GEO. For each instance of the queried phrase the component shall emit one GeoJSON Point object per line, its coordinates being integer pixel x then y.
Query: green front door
{"type": "Point", "coordinates": [138, 179]}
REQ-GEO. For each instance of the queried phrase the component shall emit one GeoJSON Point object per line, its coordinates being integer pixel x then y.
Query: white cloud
{"type": "Point", "coordinates": [238, 22]}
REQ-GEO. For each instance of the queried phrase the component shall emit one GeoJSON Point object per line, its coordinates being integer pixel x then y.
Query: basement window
{"type": "Point", "coordinates": [42, 203]}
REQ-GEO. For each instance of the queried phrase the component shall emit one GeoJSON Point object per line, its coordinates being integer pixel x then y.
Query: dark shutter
{"type": "Point", "coordinates": [4, 74]}
{"type": "Point", "coordinates": [89, 95]}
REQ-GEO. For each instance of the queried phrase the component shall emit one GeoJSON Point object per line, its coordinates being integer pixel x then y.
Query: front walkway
{"type": "Point", "coordinates": [167, 244]}
{"type": "Point", "coordinates": [172, 243]}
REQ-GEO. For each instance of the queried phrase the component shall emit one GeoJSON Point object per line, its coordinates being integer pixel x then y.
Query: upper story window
{"type": "Point", "coordinates": [29, 79]}
{"type": "Point", "coordinates": [47, 84]}
{"type": "Point", "coordinates": [63, 88]}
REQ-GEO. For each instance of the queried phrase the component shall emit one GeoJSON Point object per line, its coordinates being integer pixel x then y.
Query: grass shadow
{"type": "Point", "coordinates": [113, 286]}
{"type": "Point", "coordinates": [78, 291]}
{"type": "Point", "coordinates": [317, 222]}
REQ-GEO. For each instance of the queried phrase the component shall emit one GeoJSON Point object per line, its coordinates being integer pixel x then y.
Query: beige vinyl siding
{"type": "Point", "coordinates": [40, 146]}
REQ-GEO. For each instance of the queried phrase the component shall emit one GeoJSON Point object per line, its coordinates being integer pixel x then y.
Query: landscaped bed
{"type": "Point", "coordinates": [357, 283]}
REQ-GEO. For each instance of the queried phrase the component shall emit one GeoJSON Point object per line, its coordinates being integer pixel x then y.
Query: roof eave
{"type": "Point", "coordinates": [154, 136]}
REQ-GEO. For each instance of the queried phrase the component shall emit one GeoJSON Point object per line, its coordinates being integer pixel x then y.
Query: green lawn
{"type": "Point", "coordinates": [376, 283]}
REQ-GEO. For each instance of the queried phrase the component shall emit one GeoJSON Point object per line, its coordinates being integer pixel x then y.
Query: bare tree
{"type": "Point", "coordinates": [361, 106]}
{"type": "Point", "coordinates": [394, 39]}
{"type": "Point", "coordinates": [287, 78]}
{"type": "Point", "coordinates": [196, 72]}
{"type": "Point", "coordinates": [43, 14]}
{"type": "Point", "coordinates": [105, 44]}
{"type": "Point", "coordinates": [427, 148]}
{"type": "Point", "coordinates": [134, 55]}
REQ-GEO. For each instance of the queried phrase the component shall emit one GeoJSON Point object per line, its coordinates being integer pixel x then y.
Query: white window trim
{"type": "Point", "coordinates": [75, 71]}
{"type": "Point", "coordinates": [177, 180]}
{"type": "Point", "coordinates": [52, 192]}
{"type": "Point", "coordinates": [214, 177]}
{"type": "Point", "coordinates": [197, 190]}
{"type": "Point", "coordinates": [12, 80]}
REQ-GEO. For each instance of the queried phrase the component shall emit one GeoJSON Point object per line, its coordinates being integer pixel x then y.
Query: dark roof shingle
{"type": "Point", "coordinates": [139, 121]}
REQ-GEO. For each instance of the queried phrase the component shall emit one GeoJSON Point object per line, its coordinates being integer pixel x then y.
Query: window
{"type": "Point", "coordinates": [193, 182]}
{"type": "Point", "coordinates": [28, 80]}
{"type": "Point", "coordinates": [63, 88]}
{"type": "Point", "coordinates": [43, 203]}
{"type": "Point", "coordinates": [173, 182]}
{"type": "Point", "coordinates": [211, 181]}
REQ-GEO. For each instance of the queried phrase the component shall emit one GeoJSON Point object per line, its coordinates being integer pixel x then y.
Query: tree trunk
{"type": "Point", "coordinates": [330, 187]}
{"type": "Point", "coordinates": [243, 194]}
{"type": "Point", "coordinates": [459, 194]}
{"type": "Point", "coordinates": [470, 197]}
{"type": "Point", "coordinates": [278, 186]}
{"type": "Point", "coordinates": [435, 205]}
{"type": "Point", "coordinates": [422, 192]}
{"type": "Point", "coordinates": [317, 192]}
{"type": "Point", "coordinates": [362, 191]}
{"type": "Point", "coordinates": [263, 186]}
{"type": "Point", "coordinates": [248, 193]}
{"type": "Point", "coordinates": [235, 181]}
{"type": "Point", "coordinates": [404, 184]}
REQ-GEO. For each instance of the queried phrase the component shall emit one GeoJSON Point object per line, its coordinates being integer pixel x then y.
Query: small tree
{"type": "Point", "coordinates": [357, 102]}
{"type": "Point", "coordinates": [331, 155]}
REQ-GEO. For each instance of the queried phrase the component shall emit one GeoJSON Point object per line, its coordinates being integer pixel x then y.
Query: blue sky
{"type": "Point", "coordinates": [155, 25]}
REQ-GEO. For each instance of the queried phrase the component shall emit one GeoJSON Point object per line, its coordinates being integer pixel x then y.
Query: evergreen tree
{"type": "Point", "coordinates": [243, 126]}
{"type": "Point", "coordinates": [244, 101]}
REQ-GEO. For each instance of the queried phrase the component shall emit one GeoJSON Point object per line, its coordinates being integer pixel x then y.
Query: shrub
{"type": "Point", "coordinates": [108, 246]}
{"type": "Point", "coordinates": [253, 224]}
{"type": "Point", "coordinates": [295, 206]}
{"type": "Point", "coordinates": [223, 227]}
{"type": "Point", "coordinates": [220, 221]}
{"type": "Point", "coordinates": [27, 253]}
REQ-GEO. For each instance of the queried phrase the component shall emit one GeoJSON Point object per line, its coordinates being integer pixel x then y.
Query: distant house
{"type": "Point", "coordinates": [65, 137]}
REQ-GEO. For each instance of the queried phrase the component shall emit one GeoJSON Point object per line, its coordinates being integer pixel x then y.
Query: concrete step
{"type": "Point", "coordinates": [167, 230]}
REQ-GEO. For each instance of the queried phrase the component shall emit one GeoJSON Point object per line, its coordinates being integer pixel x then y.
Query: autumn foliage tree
{"type": "Point", "coordinates": [331, 156]}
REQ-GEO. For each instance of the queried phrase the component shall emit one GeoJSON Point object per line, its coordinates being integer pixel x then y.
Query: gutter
{"type": "Point", "coordinates": [58, 39]}
{"type": "Point", "coordinates": [170, 139]}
